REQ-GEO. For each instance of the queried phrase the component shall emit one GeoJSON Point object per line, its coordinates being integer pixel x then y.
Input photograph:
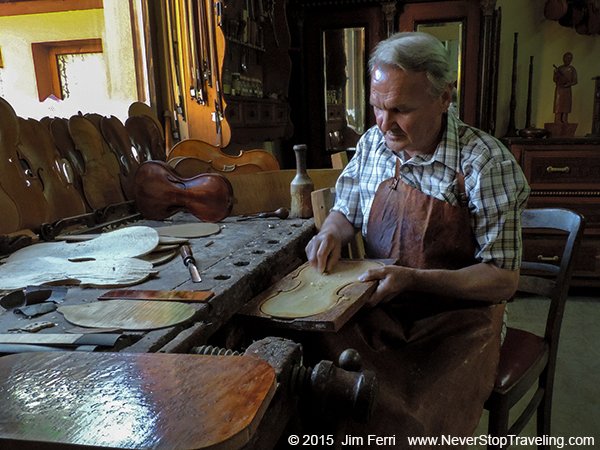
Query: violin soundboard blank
{"type": "Point", "coordinates": [308, 300]}
{"type": "Point", "coordinates": [108, 260]}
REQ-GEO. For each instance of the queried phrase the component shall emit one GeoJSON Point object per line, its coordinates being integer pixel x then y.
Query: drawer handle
{"type": "Point", "coordinates": [548, 258]}
{"type": "Point", "coordinates": [551, 169]}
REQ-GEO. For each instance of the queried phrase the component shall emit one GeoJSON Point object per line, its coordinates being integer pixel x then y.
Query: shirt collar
{"type": "Point", "coordinates": [448, 150]}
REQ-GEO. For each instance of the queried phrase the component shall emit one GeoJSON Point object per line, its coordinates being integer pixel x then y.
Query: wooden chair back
{"type": "Point", "coordinates": [526, 359]}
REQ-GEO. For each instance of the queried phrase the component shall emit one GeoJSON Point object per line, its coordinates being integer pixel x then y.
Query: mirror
{"type": "Point", "coordinates": [344, 73]}
{"type": "Point", "coordinates": [450, 34]}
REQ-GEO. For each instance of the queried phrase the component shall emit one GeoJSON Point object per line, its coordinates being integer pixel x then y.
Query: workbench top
{"type": "Point", "coordinates": [236, 264]}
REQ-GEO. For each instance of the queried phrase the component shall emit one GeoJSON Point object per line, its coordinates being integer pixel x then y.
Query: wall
{"type": "Point", "coordinates": [17, 78]}
{"type": "Point", "coordinates": [546, 41]}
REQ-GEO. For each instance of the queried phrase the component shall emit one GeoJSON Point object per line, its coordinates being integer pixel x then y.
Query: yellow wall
{"type": "Point", "coordinates": [17, 78]}
{"type": "Point", "coordinates": [546, 41]}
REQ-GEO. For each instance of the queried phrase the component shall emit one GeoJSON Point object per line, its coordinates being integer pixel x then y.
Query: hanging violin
{"type": "Point", "coordinates": [160, 193]}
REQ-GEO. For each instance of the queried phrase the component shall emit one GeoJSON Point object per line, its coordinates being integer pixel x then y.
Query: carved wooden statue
{"type": "Point", "coordinates": [565, 76]}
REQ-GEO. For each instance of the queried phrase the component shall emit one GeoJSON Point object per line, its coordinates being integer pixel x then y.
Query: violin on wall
{"type": "Point", "coordinates": [160, 193]}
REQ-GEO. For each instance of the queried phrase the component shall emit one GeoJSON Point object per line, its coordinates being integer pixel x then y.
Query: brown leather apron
{"type": "Point", "coordinates": [435, 358]}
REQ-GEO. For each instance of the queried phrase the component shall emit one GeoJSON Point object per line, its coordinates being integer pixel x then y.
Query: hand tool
{"type": "Point", "coordinates": [281, 213]}
{"type": "Point", "coordinates": [190, 262]}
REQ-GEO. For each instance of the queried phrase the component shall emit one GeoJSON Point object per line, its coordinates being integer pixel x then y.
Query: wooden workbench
{"type": "Point", "coordinates": [244, 259]}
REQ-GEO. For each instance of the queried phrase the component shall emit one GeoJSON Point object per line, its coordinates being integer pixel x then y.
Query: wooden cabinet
{"type": "Point", "coordinates": [256, 72]}
{"type": "Point", "coordinates": [564, 173]}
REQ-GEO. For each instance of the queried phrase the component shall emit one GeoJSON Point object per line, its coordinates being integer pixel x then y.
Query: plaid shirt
{"type": "Point", "coordinates": [496, 188]}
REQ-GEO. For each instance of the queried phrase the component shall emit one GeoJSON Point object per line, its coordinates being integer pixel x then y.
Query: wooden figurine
{"type": "Point", "coordinates": [596, 113]}
{"type": "Point", "coordinates": [564, 77]}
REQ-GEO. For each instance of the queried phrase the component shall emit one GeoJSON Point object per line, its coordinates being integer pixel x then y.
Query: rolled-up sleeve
{"type": "Point", "coordinates": [496, 199]}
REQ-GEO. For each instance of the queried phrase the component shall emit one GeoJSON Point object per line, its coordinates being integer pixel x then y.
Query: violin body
{"type": "Point", "coordinates": [246, 162]}
{"type": "Point", "coordinates": [54, 172]}
{"type": "Point", "coordinates": [101, 184]}
{"type": "Point", "coordinates": [160, 193]}
{"type": "Point", "coordinates": [116, 136]}
{"type": "Point", "coordinates": [59, 129]}
{"type": "Point", "coordinates": [147, 137]}
{"type": "Point", "coordinates": [18, 180]}
{"type": "Point", "coordinates": [187, 166]}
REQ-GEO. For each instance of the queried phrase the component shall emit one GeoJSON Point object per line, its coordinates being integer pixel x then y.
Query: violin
{"type": "Point", "coordinates": [101, 185]}
{"type": "Point", "coordinates": [112, 157]}
{"type": "Point", "coordinates": [160, 193]}
{"type": "Point", "coordinates": [59, 129]}
{"type": "Point", "coordinates": [18, 181]}
{"type": "Point", "coordinates": [146, 137]}
{"type": "Point", "coordinates": [221, 161]}
{"type": "Point", "coordinates": [187, 166]}
{"type": "Point", "coordinates": [54, 172]}
{"type": "Point", "coordinates": [116, 136]}
{"type": "Point", "coordinates": [142, 109]}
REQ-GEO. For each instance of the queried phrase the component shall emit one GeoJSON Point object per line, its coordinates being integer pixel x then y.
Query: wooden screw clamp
{"type": "Point", "coordinates": [343, 390]}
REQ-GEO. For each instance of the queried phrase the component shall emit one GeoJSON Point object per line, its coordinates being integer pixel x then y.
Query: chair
{"type": "Point", "coordinates": [528, 360]}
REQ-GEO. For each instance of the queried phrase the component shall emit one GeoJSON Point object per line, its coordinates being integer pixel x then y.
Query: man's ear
{"type": "Point", "coordinates": [446, 96]}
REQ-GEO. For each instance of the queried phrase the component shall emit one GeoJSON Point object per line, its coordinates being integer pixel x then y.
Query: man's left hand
{"type": "Point", "coordinates": [393, 280]}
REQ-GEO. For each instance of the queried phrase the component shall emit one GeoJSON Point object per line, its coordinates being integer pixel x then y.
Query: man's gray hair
{"type": "Point", "coordinates": [415, 52]}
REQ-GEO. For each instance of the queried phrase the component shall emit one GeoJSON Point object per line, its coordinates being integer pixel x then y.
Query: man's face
{"type": "Point", "coordinates": [406, 112]}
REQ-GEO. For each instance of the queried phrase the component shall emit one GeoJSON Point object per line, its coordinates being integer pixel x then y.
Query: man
{"type": "Point", "coordinates": [443, 200]}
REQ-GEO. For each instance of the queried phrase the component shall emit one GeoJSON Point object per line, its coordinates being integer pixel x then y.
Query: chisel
{"type": "Point", "coordinates": [190, 262]}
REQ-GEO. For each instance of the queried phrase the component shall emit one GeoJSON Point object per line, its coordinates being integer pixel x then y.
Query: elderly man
{"type": "Point", "coordinates": [443, 200]}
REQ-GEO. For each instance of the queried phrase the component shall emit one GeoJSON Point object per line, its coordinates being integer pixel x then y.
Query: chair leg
{"type": "Point", "coordinates": [497, 423]}
{"type": "Point", "coordinates": [544, 417]}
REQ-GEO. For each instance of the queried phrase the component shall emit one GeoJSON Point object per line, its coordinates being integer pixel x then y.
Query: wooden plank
{"type": "Point", "coordinates": [116, 400]}
{"type": "Point", "coordinates": [140, 315]}
{"type": "Point", "coordinates": [322, 201]}
{"type": "Point", "coordinates": [19, 8]}
{"type": "Point", "coordinates": [267, 191]}
{"type": "Point", "coordinates": [136, 294]}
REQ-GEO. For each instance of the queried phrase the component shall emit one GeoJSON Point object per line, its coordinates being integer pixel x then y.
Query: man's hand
{"type": "Point", "coordinates": [393, 280]}
{"type": "Point", "coordinates": [482, 282]}
{"type": "Point", "coordinates": [324, 251]}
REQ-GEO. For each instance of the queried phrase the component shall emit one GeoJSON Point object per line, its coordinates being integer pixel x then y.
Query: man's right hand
{"type": "Point", "coordinates": [324, 249]}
